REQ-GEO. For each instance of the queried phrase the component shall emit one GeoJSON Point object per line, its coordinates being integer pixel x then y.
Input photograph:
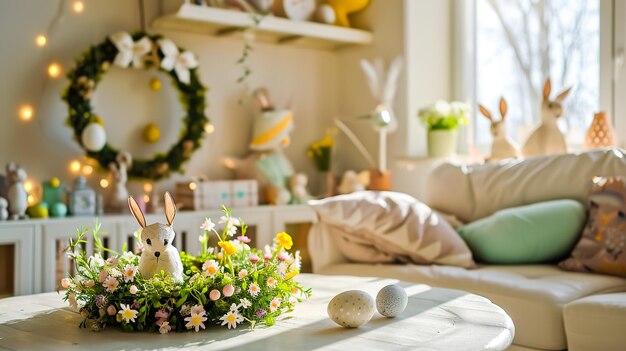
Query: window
{"type": "Point", "coordinates": [517, 45]}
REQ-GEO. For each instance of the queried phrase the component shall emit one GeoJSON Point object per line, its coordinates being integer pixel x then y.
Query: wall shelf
{"type": "Point", "coordinates": [220, 22]}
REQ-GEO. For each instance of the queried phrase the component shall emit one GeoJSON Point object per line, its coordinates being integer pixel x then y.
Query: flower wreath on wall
{"type": "Point", "coordinates": [138, 51]}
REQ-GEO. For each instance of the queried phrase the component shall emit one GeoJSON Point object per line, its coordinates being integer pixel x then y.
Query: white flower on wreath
{"type": "Point", "coordinates": [130, 51]}
{"type": "Point", "coordinates": [232, 318]}
{"type": "Point", "coordinates": [181, 63]}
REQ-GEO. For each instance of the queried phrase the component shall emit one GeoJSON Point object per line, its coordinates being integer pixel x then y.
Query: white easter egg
{"type": "Point", "coordinates": [325, 14]}
{"type": "Point", "coordinates": [351, 308]}
{"type": "Point", "coordinates": [391, 300]}
{"type": "Point", "coordinates": [94, 137]}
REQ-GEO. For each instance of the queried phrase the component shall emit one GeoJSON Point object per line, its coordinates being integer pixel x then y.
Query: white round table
{"type": "Point", "coordinates": [435, 319]}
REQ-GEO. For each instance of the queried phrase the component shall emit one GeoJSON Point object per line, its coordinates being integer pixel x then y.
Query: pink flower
{"type": "Point", "coordinates": [65, 283]}
{"type": "Point", "coordinates": [244, 239]}
{"type": "Point", "coordinates": [228, 290]}
{"type": "Point", "coordinates": [161, 314]}
{"type": "Point", "coordinates": [214, 295]}
{"type": "Point", "coordinates": [242, 273]}
{"type": "Point", "coordinates": [133, 289]}
{"type": "Point", "coordinates": [111, 310]}
{"type": "Point", "coordinates": [254, 258]}
{"type": "Point", "coordinates": [103, 275]}
{"type": "Point", "coordinates": [164, 327]}
{"type": "Point", "coordinates": [198, 309]}
{"type": "Point", "coordinates": [281, 256]}
{"type": "Point", "coordinates": [90, 283]}
{"type": "Point", "coordinates": [72, 301]}
{"type": "Point", "coordinates": [112, 261]}
{"type": "Point", "coordinates": [267, 256]}
{"type": "Point", "coordinates": [110, 284]}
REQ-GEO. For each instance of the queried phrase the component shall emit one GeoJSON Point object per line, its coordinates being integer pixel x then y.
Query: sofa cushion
{"type": "Point", "coordinates": [596, 322]}
{"type": "Point", "coordinates": [386, 226]}
{"type": "Point", "coordinates": [471, 192]}
{"type": "Point", "coordinates": [602, 248]}
{"type": "Point", "coordinates": [533, 295]}
{"type": "Point", "coordinates": [537, 233]}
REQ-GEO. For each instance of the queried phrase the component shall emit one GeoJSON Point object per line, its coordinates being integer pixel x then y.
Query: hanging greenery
{"type": "Point", "coordinates": [139, 51]}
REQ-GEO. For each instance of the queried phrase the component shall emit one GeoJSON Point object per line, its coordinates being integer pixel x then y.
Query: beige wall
{"type": "Point", "coordinates": [322, 85]}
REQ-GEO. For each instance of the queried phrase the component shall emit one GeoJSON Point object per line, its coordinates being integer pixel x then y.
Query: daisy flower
{"type": "Point", "coordinates": [110, 284]}
{"type": "Point", "coordinates": [115, 272]}
{"type": "Point", "coordinates": [129, 273]}
{"type": "Point", "coordinates": [128, 314]}
{"type": "Point", "coordinates": [271, 282]}
{"type": "Point", "coordinates": [245, 303]}
{"type": "Point", "coordinates": [210, 268]}
{"type": "Point", "coordinates": [275, 304]}
{"type": "Point", "coordinates": [165, 328]}
{"type": "Point", "coordinates": [254, 289]}
{"type": "Point", "coordinates": [185, 310]}
{"type": "Point", "coordinates": [208, 225]}
{"type": "Point", "coordinates": [195, 321]}
{"type": "Point", "coordinates": [231, 319]}
{"type": "Point", "coordinates": [128, 256]}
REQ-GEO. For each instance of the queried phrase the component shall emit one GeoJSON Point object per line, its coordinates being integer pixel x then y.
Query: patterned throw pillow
{"type": "Point", "coordinates": [602, 248]}
{"type": "Point", "coordinates": [384, 227]}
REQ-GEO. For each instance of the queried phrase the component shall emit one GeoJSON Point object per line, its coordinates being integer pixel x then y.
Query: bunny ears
{"type": "Point", "coordinates": [547, 87]}
{"type": "Point", "coordinates": [503, 110]}
{"type": "Point", "coordinates": [170, 210]}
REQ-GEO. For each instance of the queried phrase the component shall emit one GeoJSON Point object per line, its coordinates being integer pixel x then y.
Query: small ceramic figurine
{"type": "Point", "coordinates": [350, 182]}
{"type": "Point", "coordinates": [298, 185]}
{"type": "Point", "coordinates": [158, 254]}
{"type": "Point", "coordinates": [119, 194]}
{"type": "Point", "coordinates": [82, 198]}
{"type": "Point", "coordinates": [548, 138]}
{"type": "Point", "coordinates": [17, 195]}
{"type": "Point", "coordinates": [343, 8]}
{"type": "Point", "coordinates": [4, 209]}
{"type": "Point", "coordinates": [266, 163]}
{"type": "Point", "coordinates": [502, 146]}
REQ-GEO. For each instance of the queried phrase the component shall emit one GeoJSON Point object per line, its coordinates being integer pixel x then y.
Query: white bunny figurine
{"type": "Point", "coordinates": [4, 213]}
{"type": "Point", "coordinates": [548, 138]}
{"type": "Point", "coordinates": [119, 194]}
{"type": "Point", "coordinates": [17, 195]}
{"type": "Point", "coordinates": [502, 146]}
{"type": "Point", "coordinates": [158, 253]}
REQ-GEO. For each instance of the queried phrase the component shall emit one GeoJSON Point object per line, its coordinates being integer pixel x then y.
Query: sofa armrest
{"type": "Point", "coordinates": [323, 248]}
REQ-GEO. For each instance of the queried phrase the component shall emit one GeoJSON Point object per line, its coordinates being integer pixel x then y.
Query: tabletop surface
{"type": "Point", "coordinates": [435, 319]}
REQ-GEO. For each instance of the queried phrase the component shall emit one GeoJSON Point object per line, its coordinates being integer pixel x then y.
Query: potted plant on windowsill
{"type": "Point", "coordinates": [443, 120]}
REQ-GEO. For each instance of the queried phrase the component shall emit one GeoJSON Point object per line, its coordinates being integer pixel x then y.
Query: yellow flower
{"type": "Point", "coordinates": [284, 240]}
{"type": "Point", "coordinates": [228, 247]}
{"type": "Point", "coordinates": [291, 274]}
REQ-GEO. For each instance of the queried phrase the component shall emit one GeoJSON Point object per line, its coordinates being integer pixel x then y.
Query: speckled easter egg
{"type": "Point", "coordinates": [391, 300]}
{"type": "Point", "coordinates": [351, 308]}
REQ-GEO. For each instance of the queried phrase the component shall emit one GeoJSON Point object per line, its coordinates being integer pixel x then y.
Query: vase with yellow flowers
{"type": "Point", "coordinates": [321, 153]}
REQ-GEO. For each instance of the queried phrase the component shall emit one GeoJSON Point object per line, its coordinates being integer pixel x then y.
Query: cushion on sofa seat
{"type": "Point", "coordinates": [596, 322]}
{"type": "Point", "coordinates": [537, 233]}
{"type": "Point", "coordinates": [533, 295]}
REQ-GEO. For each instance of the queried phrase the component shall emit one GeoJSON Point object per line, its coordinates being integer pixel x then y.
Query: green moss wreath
{"type": "Point", "coordinates": [89, 70]}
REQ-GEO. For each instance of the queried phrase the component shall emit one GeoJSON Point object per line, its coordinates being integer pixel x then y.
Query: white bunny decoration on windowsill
{"type": "Point", "coordinates": [158, 253]}
{"type": "Point", "coordinates": [548, 138]}
{"type": "Point", "coordinates": [502, 147]}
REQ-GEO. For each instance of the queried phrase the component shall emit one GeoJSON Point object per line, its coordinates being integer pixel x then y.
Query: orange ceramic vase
{"type": "Point", "coordinates": [600, 134]}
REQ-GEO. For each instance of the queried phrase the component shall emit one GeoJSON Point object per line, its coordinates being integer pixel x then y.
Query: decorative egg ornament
{"type": "Point", "coordinates": [94, 137]}
{"type": "Point", "coordinates": [391, 300]}
{"type": "Point", "coordinates": [351, 308]}
{"type": "Point", "coordinates": [151, 133]}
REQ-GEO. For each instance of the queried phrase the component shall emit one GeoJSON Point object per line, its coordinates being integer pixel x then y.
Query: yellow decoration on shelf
{"type": "Point", "coordinates": [155, 84]}
{"type": "Point", "coordinates": [345, 7]}
{"type": "Point", "coordinates": [97, 119]}
{"type": "Point", "coordinates": [55, 182]}
{"type": "Point", "coordinates": [151, 133]}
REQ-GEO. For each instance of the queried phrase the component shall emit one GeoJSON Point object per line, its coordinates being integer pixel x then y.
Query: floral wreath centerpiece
{"type": "Point", "coordinates": [227, 285]}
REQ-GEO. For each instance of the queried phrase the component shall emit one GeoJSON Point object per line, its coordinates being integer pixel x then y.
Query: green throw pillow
{"type": "Point", "coordinates": [536, 233]}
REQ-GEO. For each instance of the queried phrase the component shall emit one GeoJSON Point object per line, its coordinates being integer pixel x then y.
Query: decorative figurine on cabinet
{"type": "Point", "coordinates": [4, 209]}
{"type": "Point", "coordinates": [298, 185]}
{"type": "Point", "coordinates": [82, 198]}
{"type": "Point", "coordinates": [548, 138]}
{"type": "Point", "coordinates": [266, 162]}
{"type": "Point", "coordinates": [17, 195]}
{"type": "Point", "coordinates": [502, 147]}
{"type": "Point", "coordinates": [118, 197]}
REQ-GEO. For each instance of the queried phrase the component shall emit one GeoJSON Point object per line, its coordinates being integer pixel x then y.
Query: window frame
{"type": "Point", "coordinates": [612, 14]}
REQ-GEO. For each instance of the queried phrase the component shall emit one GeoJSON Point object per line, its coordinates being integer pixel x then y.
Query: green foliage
{"type": "Point", "coordinates": [101, 286]}
{"type": "Point", "coordinates": [444, 116]}
{"type": "Point", "coordinates": [89, 70]}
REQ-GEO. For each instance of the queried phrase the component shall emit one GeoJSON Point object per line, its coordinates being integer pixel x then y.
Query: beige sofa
{"type": "Point", "coordinates": [552, 309]}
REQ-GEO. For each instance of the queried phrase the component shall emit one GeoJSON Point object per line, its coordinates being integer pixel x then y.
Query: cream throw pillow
{"type": "Point", "coordinates": [384, 227]}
